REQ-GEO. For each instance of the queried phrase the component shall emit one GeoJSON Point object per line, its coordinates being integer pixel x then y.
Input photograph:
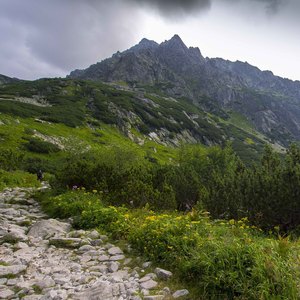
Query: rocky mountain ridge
{"type": "Point", "coordinates": [270, 103]}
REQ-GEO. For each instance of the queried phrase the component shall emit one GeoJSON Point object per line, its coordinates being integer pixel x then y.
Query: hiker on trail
{"type": "Point", "coordinates": [39, 175]}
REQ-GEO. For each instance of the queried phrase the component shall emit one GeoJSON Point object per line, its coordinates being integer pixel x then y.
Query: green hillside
{"type": "Point", "coordinates": [145, 118]}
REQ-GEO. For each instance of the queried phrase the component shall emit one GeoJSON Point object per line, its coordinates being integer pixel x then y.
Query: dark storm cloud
{"type": "Point", "coordinates": [175, 7]}
{"type": "Point", "coordinates": [63, 35]}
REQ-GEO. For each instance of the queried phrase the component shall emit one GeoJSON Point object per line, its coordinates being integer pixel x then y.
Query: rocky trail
{"type": "Point", "coordinates": [42, 258]}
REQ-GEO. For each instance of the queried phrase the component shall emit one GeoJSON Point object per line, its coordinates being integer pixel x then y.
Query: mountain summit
{"type": "Point", "coordinates": [270, 103]}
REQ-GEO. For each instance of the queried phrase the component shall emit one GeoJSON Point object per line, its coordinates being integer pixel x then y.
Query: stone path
{"type": "Point", "coordinates": [43, 258]}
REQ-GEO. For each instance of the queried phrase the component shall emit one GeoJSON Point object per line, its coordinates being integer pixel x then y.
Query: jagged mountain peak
{"type": "Point", "coordinates": [147, 43]}
{"type": "Point", "coordinates": [175, 42]}
{"type": "Point", "coordinates": [144, 44]}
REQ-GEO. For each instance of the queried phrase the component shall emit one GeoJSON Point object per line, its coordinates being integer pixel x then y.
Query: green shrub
{"type": "Point", "coordinates": [17, 179]}
{"type": "Point", "coordinates": [39, 146]}
{"type": "Point", "coordinates": [10, 159]}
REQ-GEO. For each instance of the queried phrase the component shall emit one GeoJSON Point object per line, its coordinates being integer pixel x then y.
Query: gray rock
{"type": "Point", "coordinates": [113, 267]}
{"type": "Point", "coordinates": [11, 270]}
{"type": "Point", "coordinates": [147, 277]}
{"type": "Point", "coordinates": [6, 293]}
{"type": "Point", "coordinates": [92, 253]}
{"type": "Point", "coordinates": [46, 282]}
{"type": "Point", "coordinates": [154, 297]}
{"type": "Point", "coordinates": [103, 258]}
{"type": "Point", "coordinates": [180, 293]}
{"type": "Point", "coordinates": [99, 291]}
{"type": "Point", "coordinates": [94, 235]}
{"type": "Point", "coordinates": [117, 257]}
{"type": "Point", "coordinates": [96, 242]}
{"type": "Point", "coordinates": [119, 276]}
{"type": "Point", "coordinates": [48, 228]}
{"type": "Point", "coordinates": [163, 274]}
{"type": "Point", "coordinates": [101, 268]}
{"type": "Point", "coordinates": [11, 282]}
{"type": "Point", "coordinates": [115, 251]}
{"type": "Point", "coordinates": [149, 284]}
{"type": "Point", "coordinates": [85, 248]}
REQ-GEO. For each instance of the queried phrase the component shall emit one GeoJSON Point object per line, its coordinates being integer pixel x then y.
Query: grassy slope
{"type": "Point", "coordinates": [13, 131]}
{"type": "Point", "coordinates": [74, 103]}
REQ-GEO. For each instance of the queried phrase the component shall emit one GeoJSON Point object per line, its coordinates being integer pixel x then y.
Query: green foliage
{"type": "Point", "coordinates": [122, 179]}
{"type": "Point", "coordinates": [268, 194]}
{"type": "Point", "coordinates": [17, 178]}
{"type": "Point", "coordinates": [10, 159]}
{"type": "Point", "coordinates": [211, 178]}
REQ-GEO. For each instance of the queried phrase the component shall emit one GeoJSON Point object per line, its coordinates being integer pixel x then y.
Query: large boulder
{"type": "Point", "coordinates": [49, 228]}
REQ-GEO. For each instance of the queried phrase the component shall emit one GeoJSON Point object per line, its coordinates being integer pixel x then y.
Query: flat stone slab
{"type": "Point", "coordinates": [6, 294]}
{"type": "Point", "coordinates": [115, 251]}
{"type": "Point", "coordinates": [148, 285]}
{"type": "Point", "coordinates": [117, 257]}
{"type": "Point", "coordinates": [11, 270]}
{"type": "Point", "coordinates": [48, 228]}
{"type": "Point", "coordinates": [180, 293]}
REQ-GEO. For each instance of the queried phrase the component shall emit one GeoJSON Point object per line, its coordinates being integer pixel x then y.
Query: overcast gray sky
{"type": "Point", "coordinates": [50, 38]}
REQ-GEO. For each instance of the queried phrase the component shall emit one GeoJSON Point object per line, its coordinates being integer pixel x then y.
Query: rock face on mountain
{"type": "Point", "coordinates": [5, 79]}
{"type": "Point", "coordinates": [270, 103]}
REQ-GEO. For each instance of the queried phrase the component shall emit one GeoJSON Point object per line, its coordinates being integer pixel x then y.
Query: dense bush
{"type": "Point", "coordinates": [10, 159]}
{"type": "Point", "coordinates": [39, 146]}
{"type": "Point", "coordinates": [122, 178]}
{"type": "Point", "coordinates": [211, 178]}
{"type": "Point", "coordinates": [268, 193]}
